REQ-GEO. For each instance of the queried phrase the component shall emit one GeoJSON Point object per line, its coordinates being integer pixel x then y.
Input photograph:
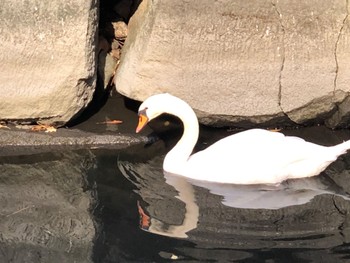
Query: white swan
{"type": "Point", "coordinates": [255, 156]}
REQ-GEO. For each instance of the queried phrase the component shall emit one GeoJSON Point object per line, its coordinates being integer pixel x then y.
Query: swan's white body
{"type": "Point", "coordinates": [255, 156]}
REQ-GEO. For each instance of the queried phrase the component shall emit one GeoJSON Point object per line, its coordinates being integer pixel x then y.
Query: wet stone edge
{"type": "Point", "coordinates": [14, 142]}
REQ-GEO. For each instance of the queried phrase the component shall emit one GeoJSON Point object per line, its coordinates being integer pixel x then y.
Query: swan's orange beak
{"type": "Point", "coordinates": [143, 120]}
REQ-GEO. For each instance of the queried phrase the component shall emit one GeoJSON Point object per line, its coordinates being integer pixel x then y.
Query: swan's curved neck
{"type": "Point", "coordinates": [179, 155]}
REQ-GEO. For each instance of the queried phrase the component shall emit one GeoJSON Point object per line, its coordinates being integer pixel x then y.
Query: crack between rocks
{"type": "Point", "coordinates": [274, 4]}
{"type": "Point", "coordinates": [336, 46]}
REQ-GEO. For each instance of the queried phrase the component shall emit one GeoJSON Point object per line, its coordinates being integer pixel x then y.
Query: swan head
{"type": "Point", "coordinates": [154, 106]}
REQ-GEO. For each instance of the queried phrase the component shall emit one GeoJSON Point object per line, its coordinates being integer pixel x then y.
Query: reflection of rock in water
{"type": "Point", "coordinates": [318, 220]}
{"type": "Point", "coordinates": [45, 208]}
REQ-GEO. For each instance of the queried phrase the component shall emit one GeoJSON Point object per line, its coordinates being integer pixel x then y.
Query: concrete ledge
{"type": "Point", "coordinates": [16, 142]}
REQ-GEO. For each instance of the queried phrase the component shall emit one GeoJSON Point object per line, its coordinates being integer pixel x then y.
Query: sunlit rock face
{"type": "Point", "coordinates": [47, 59]}
{"type": "Point", "coordinates": [242, 62]}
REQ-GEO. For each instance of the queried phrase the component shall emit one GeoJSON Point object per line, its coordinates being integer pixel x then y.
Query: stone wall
{"type": "Point", "coordinates": [241, 62]}
{"type": "Point", "coordinates": [236, 62]}
{"type": "Point", "coordinates": [47, 59]}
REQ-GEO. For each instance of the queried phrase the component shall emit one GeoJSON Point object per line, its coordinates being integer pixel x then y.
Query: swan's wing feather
{"type": "Point", "coordinates": [259, 156]}
{"type": "Point", "coordinates": [260, 143]}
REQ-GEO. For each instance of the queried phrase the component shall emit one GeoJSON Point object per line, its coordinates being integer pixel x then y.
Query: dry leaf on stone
{"type": "Point", "coordinates": [45, 128]}
{"type": "Point", "coordinates": [51, 129]}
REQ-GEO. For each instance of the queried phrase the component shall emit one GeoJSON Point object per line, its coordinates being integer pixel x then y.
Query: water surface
{"type": "Point", "coordinates": [113, 205]}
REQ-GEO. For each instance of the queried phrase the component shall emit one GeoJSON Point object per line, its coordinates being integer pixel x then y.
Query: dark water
{"type": "Point", "coordinates": [106, 205]}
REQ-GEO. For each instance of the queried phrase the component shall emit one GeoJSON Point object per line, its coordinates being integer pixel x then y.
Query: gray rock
{"type": "Point", "coordinates": [320, 108]}
{"type": "Point", "coordinates": [341, 117]}
{"type": "Point", "coordinates": [311, 32]}
{"type": "Point", "coordinates": [240, 62]}
{"type": "Point", "coordinates": [47, 59]}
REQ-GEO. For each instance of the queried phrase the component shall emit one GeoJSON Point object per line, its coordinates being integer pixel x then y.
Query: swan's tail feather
{"type": "Point", "coordinates": [342, 147]}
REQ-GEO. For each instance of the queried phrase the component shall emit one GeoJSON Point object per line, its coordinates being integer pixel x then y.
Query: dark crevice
{"type": "Point", "coordinates": [99, 99]}
{"type": "Point", "coordinates": [114, 16]}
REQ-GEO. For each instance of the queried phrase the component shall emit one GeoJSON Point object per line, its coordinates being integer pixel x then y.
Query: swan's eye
{"type": "Point", "coordinates": [143, 112]}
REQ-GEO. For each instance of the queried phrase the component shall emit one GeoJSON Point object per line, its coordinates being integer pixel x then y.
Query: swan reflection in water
{"type": "Point", "coordinates": [149, 178]}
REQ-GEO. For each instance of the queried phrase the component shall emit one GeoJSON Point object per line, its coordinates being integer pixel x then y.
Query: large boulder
{"type": "Point", "coordinates": [47, 59]}
{"type": "Point", "coordinates": [241, 62]}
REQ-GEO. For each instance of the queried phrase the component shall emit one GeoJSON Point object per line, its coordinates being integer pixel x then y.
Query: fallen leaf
{"type": "Point", "coordinates": [4, 126]}
{"type": "Point", "coordinates": [145, 220]}
{"type": "Point", "coordinates": [38, 128]}
{"type": "Point", "coordinates": [275, 130]}
{"type": "Point", "coordinates": [46, 128]}
{"type": "Point", "coordinates": [51, 129]}
{"type": "Point", "coordinates": [111, 122]}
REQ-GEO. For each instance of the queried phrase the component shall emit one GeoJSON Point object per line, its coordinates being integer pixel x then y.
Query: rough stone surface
{"type": "Point", "coordinates": [240, 61]}
{"type": "Point", "coordinates": [312, 32]}
{"type": "Point", "coordinates": [342, 54]}
{"type": "Point", "coordinates": [47, 59]}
